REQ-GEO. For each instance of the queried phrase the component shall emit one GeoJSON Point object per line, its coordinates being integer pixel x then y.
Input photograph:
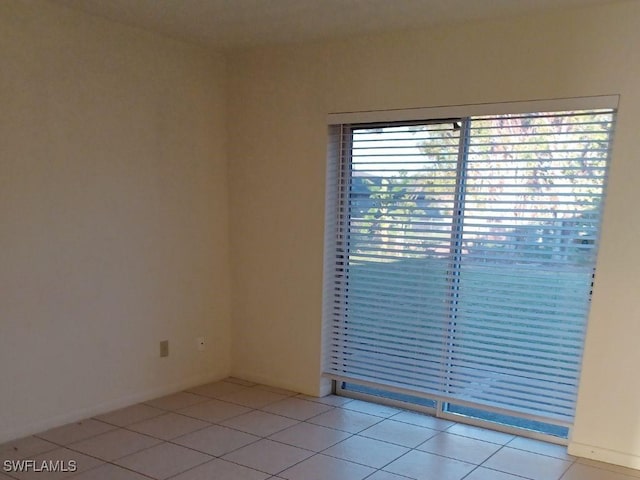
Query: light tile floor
{"type": "Point", "coordinates": [237, 430]}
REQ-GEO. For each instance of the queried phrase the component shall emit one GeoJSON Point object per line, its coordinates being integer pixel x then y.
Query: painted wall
{"type": "Point", "coordinates": [278, 101]}
{"type": "Point", "coordinates": [113, 216]}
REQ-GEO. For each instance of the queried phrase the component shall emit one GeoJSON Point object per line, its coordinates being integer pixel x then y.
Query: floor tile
{"type": "Point", "coordinates": [75, 432]}
{"type": "Point", "coordinates": [543, 448]}
{"type": "Point", "coordinates": [24, 447]}
{"type": "Point", "coordinates": [382, 475]}
{"type": "Point", "coordinates": [253, 397]}
{"type": "Point", "coordinates": [214, 411]}
{"type": "Point", "coordinates": [347, 420]}
{"type": "Point", "coordinates": [426, 466]}
{"type": "Point", "coordinates": [422, 420]}
{"type": "Point", "coordinates": [163, 461]}
{"type": "Point", "coordinates": [168, 426]}
{"type": "Point", "coordinates": [481, 433]}
{"type": "Point", "coordinates": [127, 416]}
{"type": "Point", "coordinates": [309, 436]}
{"type": "Point", "coordinates": [527, 464]}
{"type": "Point", "coordinates": [216, 389]}
{"type": "Point", "coordinates": [610, 467]}
{"type": "Point", "coordinates": [333, 400]}
{"type": "Point", "coordinates": [366, 451]}
{"type": "Point", "coordinates": [114, 444]}
{"type": "Point", "coordinates": [177, 401]}
{"type": "Point", "coordinates": [372, 408]}
{"type": "Point", "coordinates": [259, 423]}
{"type": "Point", "coordinates": [281, 391]}
{"type": "Point", "coordinates": [482, 473]}
{"type": "Point", "coordinates": [461, 448]}
{"type": "Point", "coordinates": [108, 471]}
{"type": "Point", "coordinates": [216, 440]}
{"type": "Point", "coordinates": [64, 458]}
{"type": "Point", "coordinates": [219, 469]}
{"type": "Point", "coordinates": [297, 408]}
{"type": "Point", "coordinates": [268, 456]}
{"type": "Point", "coordinates": [322, 467]}
{"type": "Point", "coordinates": [399, 433]}
{"type": "Point", "coordinates": [240, 381]}
{"type": "Point", "coordinates": [580, 471]}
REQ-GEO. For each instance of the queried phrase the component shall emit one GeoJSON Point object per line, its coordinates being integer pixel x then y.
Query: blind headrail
{"type": "Point", "coordinates": [476, 109]}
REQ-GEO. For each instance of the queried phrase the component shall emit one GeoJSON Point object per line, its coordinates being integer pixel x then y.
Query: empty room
{"type": "Point", "coordinates": [319, 239]}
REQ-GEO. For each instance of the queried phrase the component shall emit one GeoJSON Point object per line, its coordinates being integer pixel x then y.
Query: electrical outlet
{"type": "Point", "coordinates": [200, 343]}
{"type": "Point", "coordinates": [164, 348]}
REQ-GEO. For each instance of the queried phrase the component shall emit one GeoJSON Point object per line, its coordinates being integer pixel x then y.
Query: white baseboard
{"type": "Point", "coordinates": [76, 415]}
{"type": "Point", "coordinates": [623, 459]}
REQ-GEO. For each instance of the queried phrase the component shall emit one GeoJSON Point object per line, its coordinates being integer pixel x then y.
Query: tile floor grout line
{"type": "Point", "coordinates": [260, 438]}
{"type": "Point", "coordinates": [302, 448]}
{"type": "Point", "coordinates": [293, 418]}
{"type": "Point", "coordinates": [396, 444]}
{"type": "Point", "coordinates": [491, 456]}
{"type": "Point", "coordinates": [459, 459]}
{"type": "Point", "coordinates": [188, 469]}
{"type": "Point", "coordinates": [220, 424]}
{"type": "Point", "coordinates": [297, 463]}
{"type": "Point", "coordinates": [225, 453]}
{"type": "Point", "coordinates": [483, 440]}
{"type": "Point", "coordinates": [354, 433]}
{"type": "Point", "coordinates": [499, 471]}
{"type": "Point", "coordinates": [508, 444]}
{"type": "Point", "coordinates": [426, 415]}
{"type": "Point", "coordinates": [165, 439]}
{"type": "Point", "coordinates": [385, 471]}
{"type": "Point", "coordinates": [115, 465]}
{"type": "Point", "coordinates": [473, 470]}
{"type": "Point", "coordinates": [78, 422]}
{"type": "Point", "coordinates": [333, 428]}
{"type": "Point", "coordinates": [114, 459]}
{"type": "Point", "coordinates": [309, 398]}
{"type": "Point", "coordinates": [313, 453]}
{"type": "Point", "coordinates": [250, 406]}
{"type": "Point", "coordinates": [253, 468]}
{"type": "Point", "coordinates": [540, 453]}
{"type": "Point", "coordinates": [395, 459]}
{"type": "Point", "coordinates": [359, 434]}
{"type": "Point", "coordinates": [566, 470]}
{"type": "Point", "coordinates": [218, 420]}
{"type": "Point", "coordinates": [515, 474]}
{"type": "Point", "coordinates": [171, 441]}
{"type": "Point", "coordinates": [55, 447]}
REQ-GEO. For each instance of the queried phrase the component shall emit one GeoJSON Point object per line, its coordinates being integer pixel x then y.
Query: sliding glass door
{"type": "Point", "coordinates": [461, 255]}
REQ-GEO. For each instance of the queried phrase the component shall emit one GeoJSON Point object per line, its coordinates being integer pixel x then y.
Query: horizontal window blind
{"type": "Point", "coordinates": [460, 256]}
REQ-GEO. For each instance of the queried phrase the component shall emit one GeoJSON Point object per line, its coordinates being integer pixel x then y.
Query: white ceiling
{"type": "Point", "coordinates": [239, 23]}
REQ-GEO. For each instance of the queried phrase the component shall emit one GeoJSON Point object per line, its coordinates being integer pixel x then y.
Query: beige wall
{"type": "Point", "coordinates": [279, 98]}
{"type": "Point", "coordinates": [113, 216]}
